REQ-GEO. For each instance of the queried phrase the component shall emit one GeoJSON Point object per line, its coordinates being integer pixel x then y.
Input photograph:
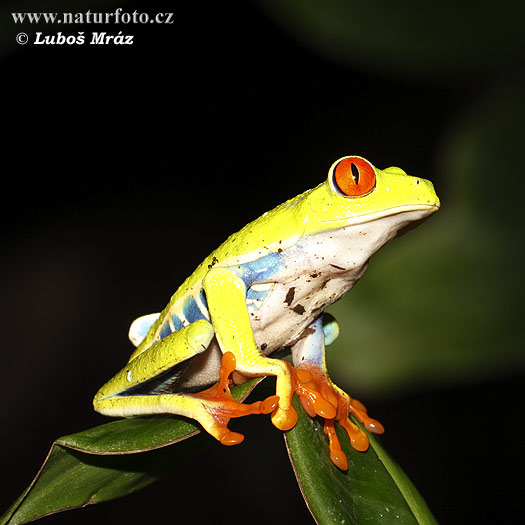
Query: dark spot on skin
{"type": "Point", "coordinates": [289, 296]}
{"type": "Point", "coordinates": [299, 309]}
{"type": "Point", "coordinates": [224, 390]}
{"type": "Point", "coordinates": [213, 262]}
{"type": "Point", "coordinates": [279, 250]}
{"type": "Point", "coordinates": [313, 275]}
{"type": "Point", "coordinates": [264, 346]}
{"type": "Point", "coordinates": [335, 266]}
{"type": "Point", "coordinates": [324, 284]}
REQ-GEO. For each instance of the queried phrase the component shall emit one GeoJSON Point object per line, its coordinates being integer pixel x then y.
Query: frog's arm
{"type": "Point", "coordinates": [130, 392]}
{"type": "Point", "coordinates": [309, 355]}
{"type": "Point", "coordinates": [226, 297]}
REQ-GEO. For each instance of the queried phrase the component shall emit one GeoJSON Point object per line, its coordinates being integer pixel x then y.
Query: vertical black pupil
{"type": "Point", "coordinates": [355, 173]}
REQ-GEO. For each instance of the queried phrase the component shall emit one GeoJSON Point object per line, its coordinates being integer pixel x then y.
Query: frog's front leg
{"type": "Point", "coordinates": [226, 298]}
{"type": "Point", "coordinates": [309, 355]}
{"type": "Point", "coordinates": [138, 389]}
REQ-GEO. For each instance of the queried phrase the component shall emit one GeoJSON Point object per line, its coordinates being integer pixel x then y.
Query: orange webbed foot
{"type": "Point", "coordinates": [221, 405]}
{"type": "Point", "coordinates": [319, 396]}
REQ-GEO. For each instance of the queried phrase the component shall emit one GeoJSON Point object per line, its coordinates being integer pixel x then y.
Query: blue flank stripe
{"type": "Point", "coordinates": [177, 323]}
{"type": "Point", "coordinates": [261, 270]}
{"type": "Point", "coordinates": [165, 330]}
{"type": "Point", "coordinates": [191, 311]}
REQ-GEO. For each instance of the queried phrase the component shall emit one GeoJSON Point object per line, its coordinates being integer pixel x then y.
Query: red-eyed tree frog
{"type": "Point", "coordinates": [262, 290]}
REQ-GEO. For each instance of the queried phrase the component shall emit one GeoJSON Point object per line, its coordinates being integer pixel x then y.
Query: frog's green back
{"type": "Point", "coordinates": [273, 231]}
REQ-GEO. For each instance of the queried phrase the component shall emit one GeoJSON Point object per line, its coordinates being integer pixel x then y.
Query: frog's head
{"type": "Point", "coordinates": [356, 193]}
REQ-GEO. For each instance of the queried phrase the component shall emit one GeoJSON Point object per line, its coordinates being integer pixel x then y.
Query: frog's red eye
{"type": "Point", "coordinates": [354, 177]}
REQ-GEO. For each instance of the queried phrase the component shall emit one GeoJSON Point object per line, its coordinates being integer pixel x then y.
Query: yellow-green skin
{"type": "Point", "coordinates": [307, 233]}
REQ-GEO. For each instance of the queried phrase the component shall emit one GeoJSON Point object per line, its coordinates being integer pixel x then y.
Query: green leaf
{"type": "Point", "coordinates": [373, 490]}
{"type": "Point", "coordinates": [70, 479]}
{"type": "Point", "coordinates": [102, 463]}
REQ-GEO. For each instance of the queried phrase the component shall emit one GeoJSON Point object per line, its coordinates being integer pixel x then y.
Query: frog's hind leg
{"type": "Point", "coordinates": [134, 390]}
{"type": "Point", "coordinates": [320, 397]}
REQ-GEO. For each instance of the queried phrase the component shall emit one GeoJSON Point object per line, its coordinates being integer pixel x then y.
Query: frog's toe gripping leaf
{"type": "Point", "coordinates": [320, 397]}
{"type": "Point", "coordinates": [220, 405]}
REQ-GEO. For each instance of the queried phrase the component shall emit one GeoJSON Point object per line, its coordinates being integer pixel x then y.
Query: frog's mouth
{"type": "Point", "coordinates": [427, 209]}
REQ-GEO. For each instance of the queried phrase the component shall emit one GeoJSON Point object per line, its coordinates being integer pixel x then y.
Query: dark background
{"type": "Point", "coordinates": [124, 166]}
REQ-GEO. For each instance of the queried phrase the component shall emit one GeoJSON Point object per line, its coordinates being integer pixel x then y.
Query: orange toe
{"type": "Point", "coordinates": [357, 409]}
{"type": "Point", "coordinates": [231, 438]}
{"type": "Point", "coordinates": [337, 455]}
{"type": "Point", "coordinates": [284, 419]}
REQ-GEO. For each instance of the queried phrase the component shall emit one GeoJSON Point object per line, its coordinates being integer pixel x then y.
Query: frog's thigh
{"type": "Point", "coordinates": [116, 397]}
{"type": "Point", "coordinates": [173, 350]}
{"type": "Point", "coordinates": [226, 298]}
